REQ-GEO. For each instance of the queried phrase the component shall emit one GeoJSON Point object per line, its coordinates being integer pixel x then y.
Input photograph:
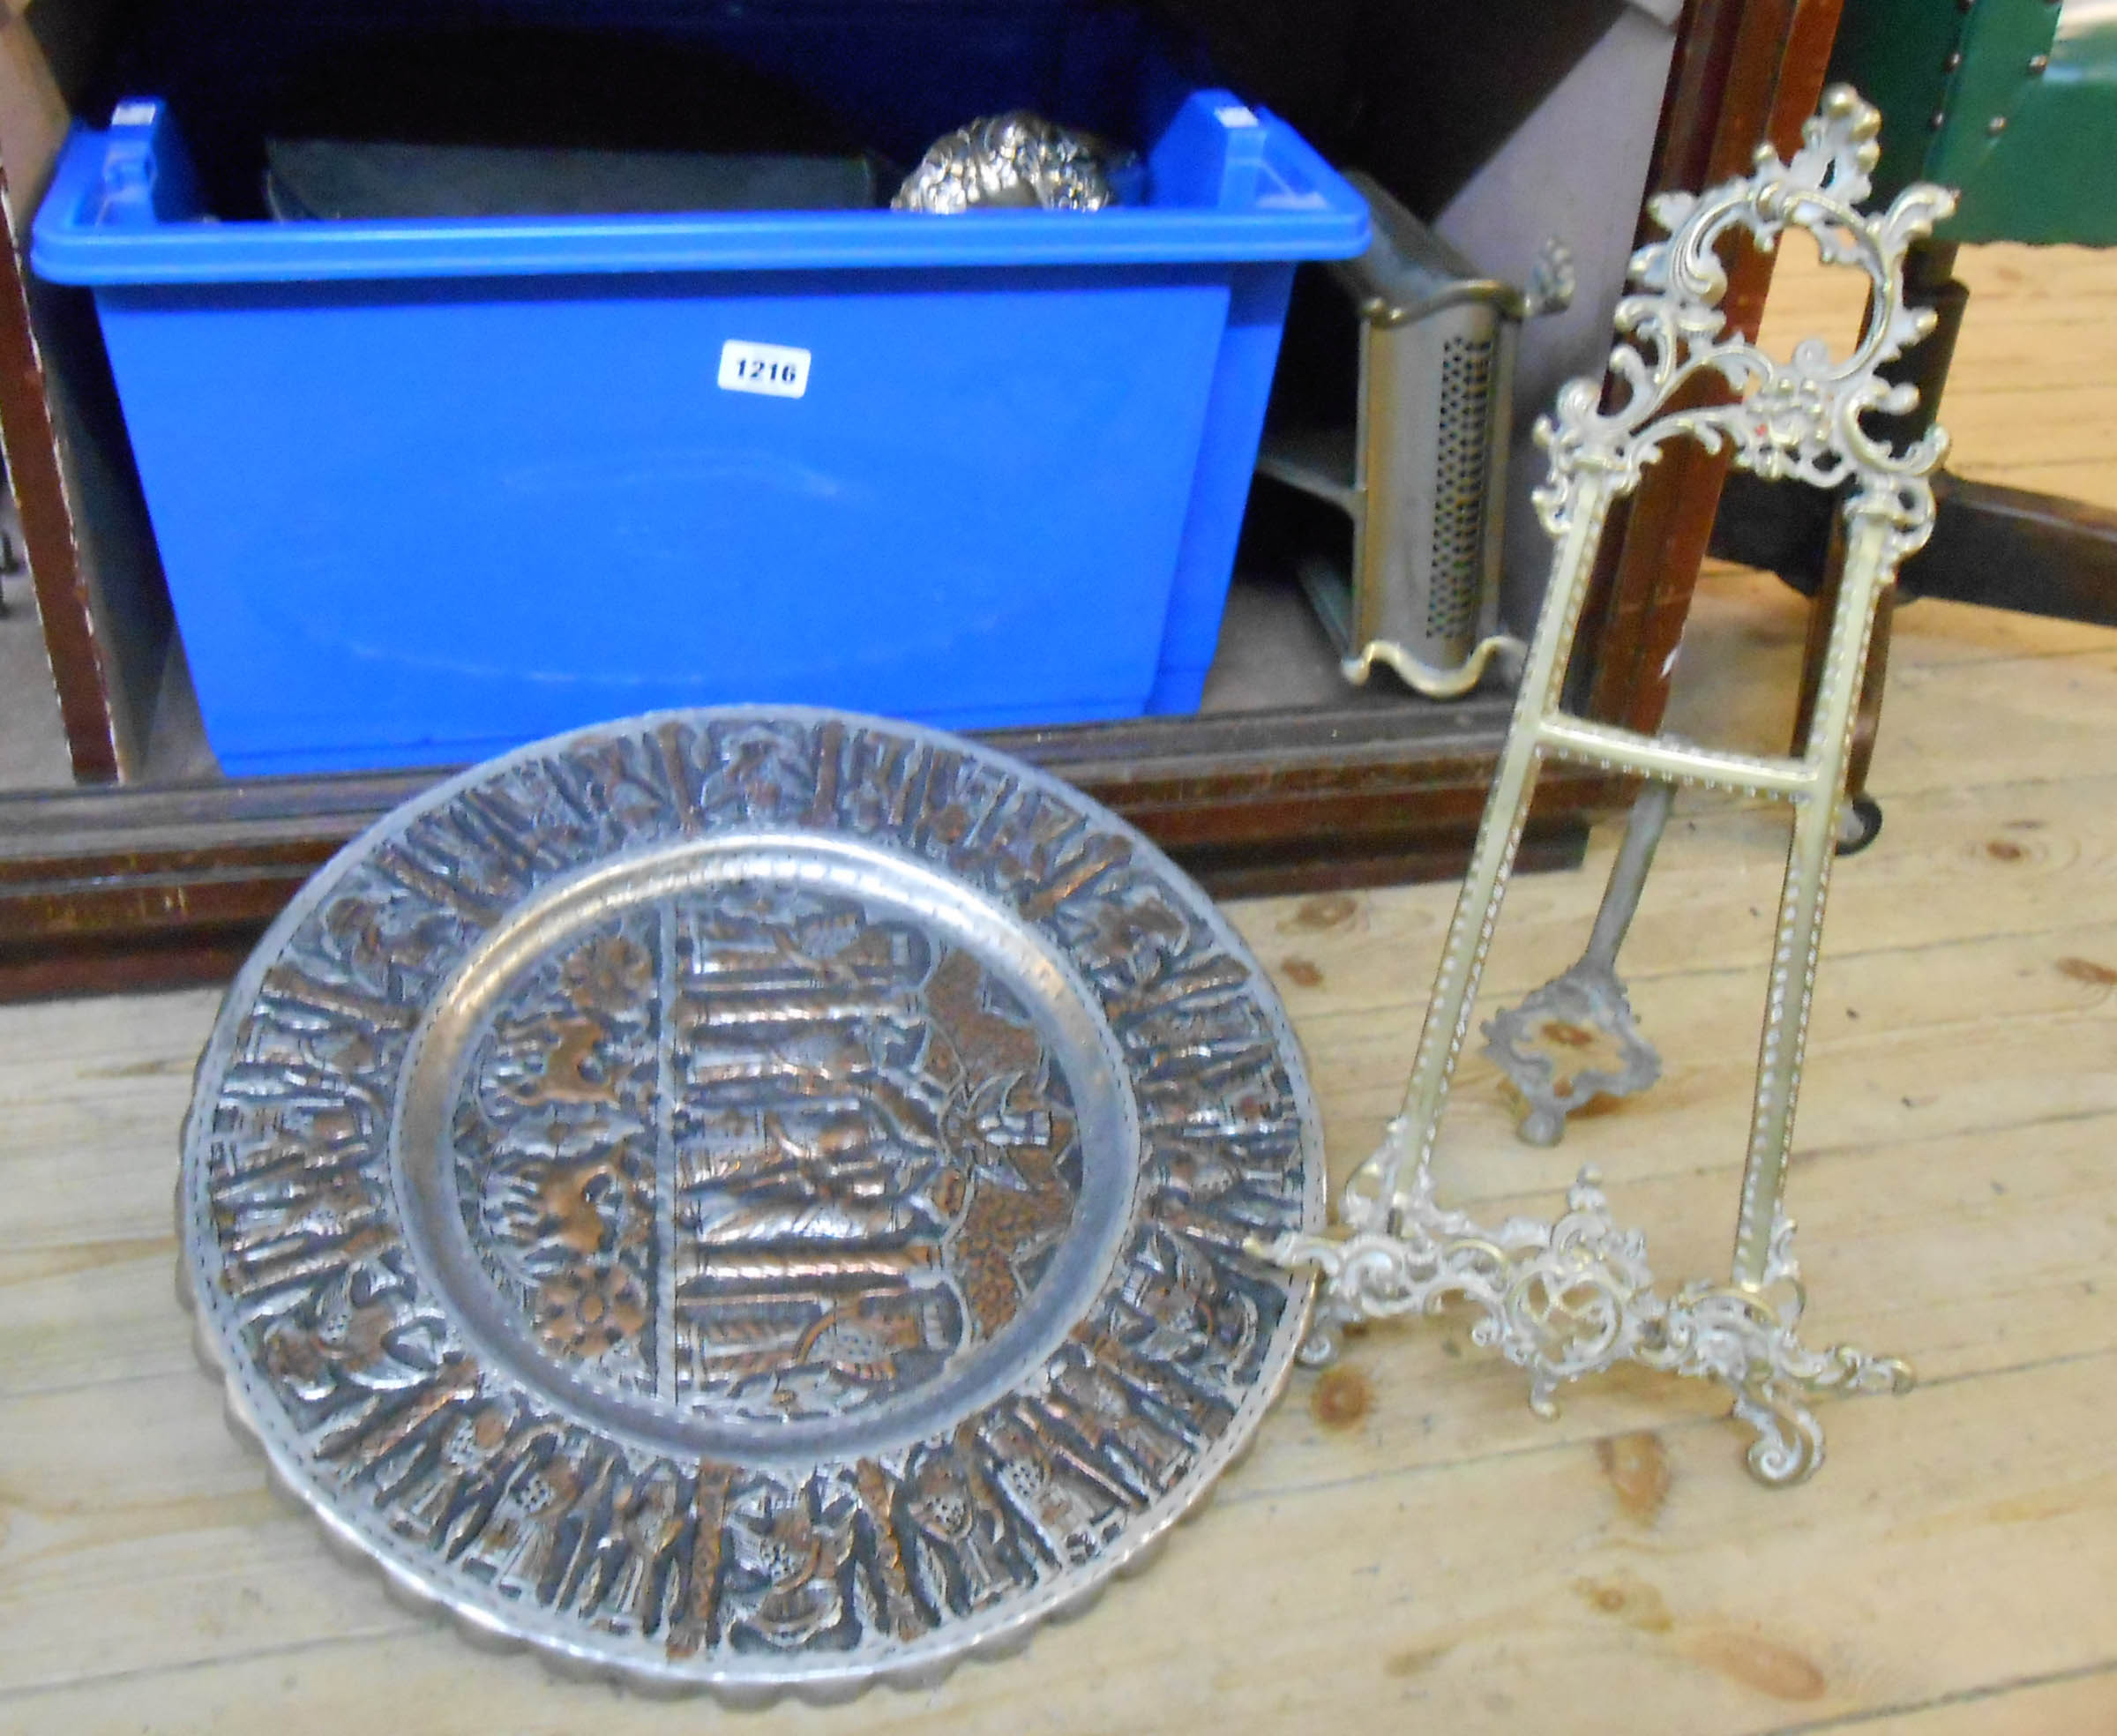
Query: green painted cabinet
{"type": "Point", "coordinates": [2012, 103]}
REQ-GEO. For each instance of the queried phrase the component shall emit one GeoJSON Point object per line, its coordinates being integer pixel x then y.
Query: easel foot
{"type": "Point", "coordinates": [1574, 1296]}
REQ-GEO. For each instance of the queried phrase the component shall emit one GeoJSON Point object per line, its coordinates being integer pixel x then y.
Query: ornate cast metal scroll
{"type": "Point", "coordinates": [1568, 1298]}
{"type": "Point", "coordinates": [1017, 159]}
{"type": "Point", "coordinates": [754, 1200]}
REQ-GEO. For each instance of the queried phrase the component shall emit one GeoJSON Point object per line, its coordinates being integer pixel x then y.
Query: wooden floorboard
{"type": "Point", "coordinates": [1408, 1548]}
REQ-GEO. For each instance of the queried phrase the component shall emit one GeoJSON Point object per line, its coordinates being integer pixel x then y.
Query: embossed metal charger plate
{"type": "Point", "coordinates": [751, 1199]}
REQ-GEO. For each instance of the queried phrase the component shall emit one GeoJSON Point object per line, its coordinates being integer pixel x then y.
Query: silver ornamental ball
{"type": "Point", "coordinates": [1018, 159]}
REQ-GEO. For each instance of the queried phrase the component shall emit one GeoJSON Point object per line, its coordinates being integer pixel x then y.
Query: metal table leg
{"type": "Point", "coordinates": [1584, 1009]}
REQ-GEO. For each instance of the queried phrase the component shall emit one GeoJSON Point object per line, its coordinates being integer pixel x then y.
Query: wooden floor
{"type": "Point", "coordinates": [1408, 1548]}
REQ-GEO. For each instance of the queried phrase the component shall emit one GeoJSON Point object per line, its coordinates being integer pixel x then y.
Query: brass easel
{"type": "Point", "coordinates": [1575, 1296]}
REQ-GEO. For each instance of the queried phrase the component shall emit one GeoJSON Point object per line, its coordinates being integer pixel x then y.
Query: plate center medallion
{"type": "Point", "coordinates": [751, 1154]}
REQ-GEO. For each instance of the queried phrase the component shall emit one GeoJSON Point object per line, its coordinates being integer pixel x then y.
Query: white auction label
{"type": "Point", "coordinates": [776, 370]}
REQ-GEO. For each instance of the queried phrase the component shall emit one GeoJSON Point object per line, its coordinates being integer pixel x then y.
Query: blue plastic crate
{"type": "Point", "coordinates": [426, 488]}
